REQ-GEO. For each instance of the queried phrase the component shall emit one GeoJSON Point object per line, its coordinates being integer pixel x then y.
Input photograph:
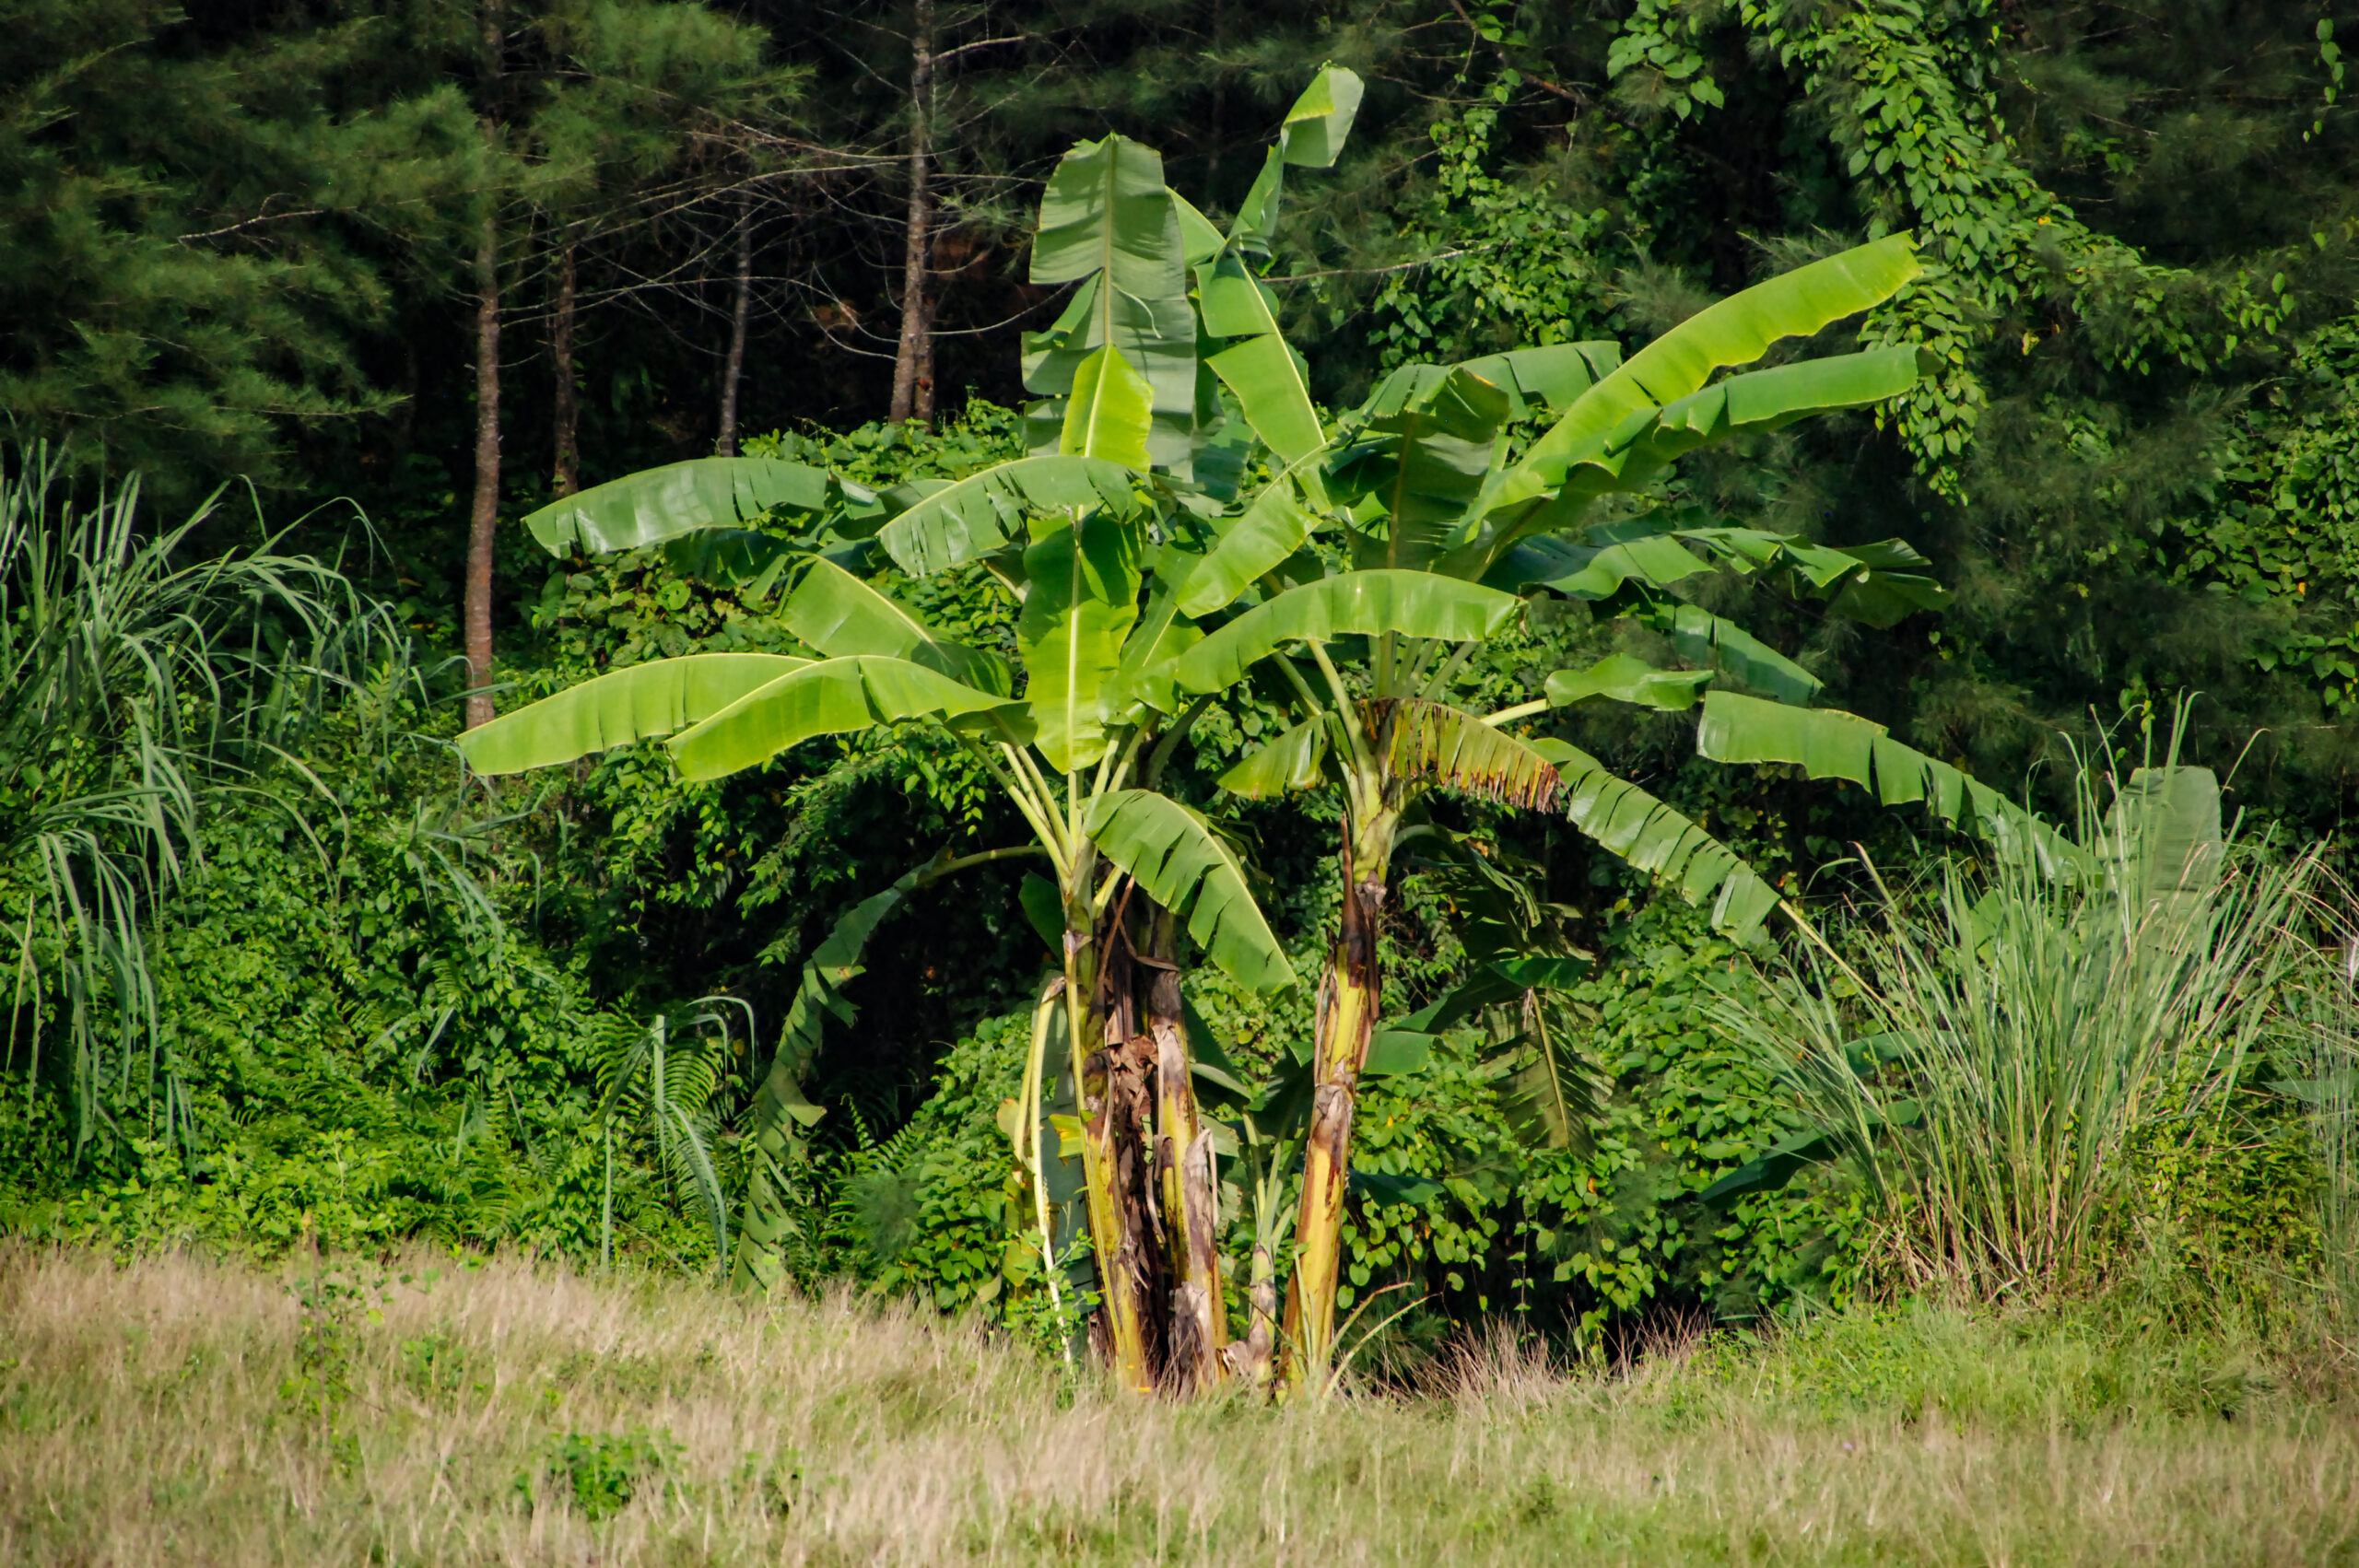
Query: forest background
{"type": "Point", "coordinates": [398, 274]}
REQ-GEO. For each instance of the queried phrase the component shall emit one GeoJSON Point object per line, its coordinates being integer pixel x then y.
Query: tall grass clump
{"type": "Point", "coordinates": [2324, 1052]}
{"type": "Point", "coordinates": [1989, 1044]}
{"type": "Point", "coordinates": [136, 690]}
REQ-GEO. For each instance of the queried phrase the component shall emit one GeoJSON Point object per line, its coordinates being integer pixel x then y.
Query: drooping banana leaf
{"type": "Point", "coordinates": [832, 697]}
{"type": "Point", "coordinates": [842, 616]}
{"type": "Point", "coordinates": [1631, 823]}
{"type": "Point", "coordinates": [1622, 678]}
{"type": "Point", "coordinates": [1296, 759]}
{"type": "Point", "coordinates": [1313, 137]}
{"type": "Point", "coordinates": [1825, 743]}
{"type": "Point", "coordinates": [1077, 614]}
{"type": "Point", "coordinates": [782, 1111]}
{"type": "Point", "coordinates": [985, 511]}
{"type": "Point", "coordinates": [654, 698]}
{"type": "Point", "coordinates": [1734, 331]}
{"type": "Point", "coordinates": [1353, 604]}
{"type": "Point", "coordinates": [1446, 745]}
{"type": "Point", "coordinates": [1108, 222]}
{"type": "Point", "coordinates": [657, 503]}
{"type": "Point", "coordinates": [1181, 863]}
{"type": "Point", "coordinates": [1710, 640]}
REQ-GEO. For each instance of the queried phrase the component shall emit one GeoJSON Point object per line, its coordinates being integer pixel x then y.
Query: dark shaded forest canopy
{"type": "Point", "coordinates": [389, 277]}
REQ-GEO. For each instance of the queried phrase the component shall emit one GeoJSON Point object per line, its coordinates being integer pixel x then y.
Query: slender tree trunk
{"type": "Point", "coordinates": [913, 365]}
{"type": "Point", "coordinates": [1349, 996]}
{"type": "Point", "coordinates": [727, 445]}
{"type": "Point", "coordinates": [484, 521]}
{"type": "Point", "coordinates": [567, 478]}
{"type": "Point", "coordinates": [1197, 1331]}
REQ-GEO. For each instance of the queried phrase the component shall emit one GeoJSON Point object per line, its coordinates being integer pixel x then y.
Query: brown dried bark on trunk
{"type": "Point", "coordinates": [727, 445]}
{"type": "Point", "coordinates": [1119, 1110]}
{"type": "Point", "coordinates": [1198, 1331]}
{"type": "Point", "coordinates": [913, 363]}
{"type": "Point", "coordinates": [565, 478]}
{"type": "Point", "coordinates": [484, 519]}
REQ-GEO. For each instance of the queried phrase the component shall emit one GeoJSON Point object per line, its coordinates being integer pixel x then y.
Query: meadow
{"type": "Point", "coordinates": [168, 1408]}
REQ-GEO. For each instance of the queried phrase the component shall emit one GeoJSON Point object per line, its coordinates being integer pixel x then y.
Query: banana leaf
{"type": "Point", "coordinates": [654, 698]}
{"type": "Point", "coordinates": [1825, 743]}
{"type": "Point", "coordinates": [657, 503]}
{"type": "Point", "coordinates": [1354, 603]}
{"type": "Point", "coordinates": [831, 697]}
{"type": "Point", "coordinates": [1180, 862]}
{"type": "Point", "coordinates": [1622, 678]}
{"type": "Point", "coordinates": [986, 512]}
{"type": "Point", "coordinates": [842, 616]}
{"type": "Point", "coordinates": [1077, 614]}
{"type": "Point", "coordinates": [1626, 820]}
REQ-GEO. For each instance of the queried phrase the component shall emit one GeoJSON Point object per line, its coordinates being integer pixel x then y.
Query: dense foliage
{"type": "Point", "coordinates": [391, 999]}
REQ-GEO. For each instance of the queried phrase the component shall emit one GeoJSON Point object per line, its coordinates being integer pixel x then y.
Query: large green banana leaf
{"type": "Point", "coordinates": [833, 696]}
{"type": "Point", "coordinates": [1271, 392]}
{"type": "Point", "coordinates": [1313, 137]}
{"type": "Point", "coordinates": [982, 512]}
{"type": "Point", "coordinates": [1271, 529]}
{"type": "Point", "coordinates": [1707, 639]}
{"type": "Point", "coordinates": [840, 616]}
{"type": "Point", "coordinates": [1552, 376]}
{"type": "Point", "coordinates": [2164, 847]}
{"type": "Point", "coordinates": [1825, 743]}
{"type": "Point", "coordinates": [1181, 863]}
{"type": "Point", "coordinates": [1361, 604]}
{"type": "Point", "coordinates": [1108, 222]}
{"type": "Point", "coordinates": [1445, 745]}
{"type": "Point", "coordinates": [1425, 442]}
{"type": "Point", "coordinates": [1626, 820]}
{"type": "Point", "coordinates": [1734, 331]}
{"type": "Point", "coordinates": [1622, 678]}
{"type": "Point", "coordinates": [1077, 614]}
{"type": "Point", "coordinates": [1109, 410]}
{"type": "Point", "coordinates": [654, 698]}
{"type": "Point", "coordinates": [657, 503]}
{"type": "Point", "coordinates": [1646, 442]}
{"type": "Point", "coordinates": [781, 1109]}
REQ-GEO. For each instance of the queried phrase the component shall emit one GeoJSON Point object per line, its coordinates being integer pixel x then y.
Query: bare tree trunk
{"type": "Point", "coordinates": [913, 365]}
{"type": "Point", "coordinates": [485, 520]}
{"type": "Point", "coordinates": [727, 445]}
{"type": "Point", "coordinates": [567, 478]}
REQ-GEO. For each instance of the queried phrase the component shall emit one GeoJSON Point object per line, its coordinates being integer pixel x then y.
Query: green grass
{"type": "Point", "coordinates": [174, 1410]}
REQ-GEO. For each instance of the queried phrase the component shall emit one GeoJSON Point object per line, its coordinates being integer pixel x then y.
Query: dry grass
{"type": "Point", "coordinates": [146, 1417]}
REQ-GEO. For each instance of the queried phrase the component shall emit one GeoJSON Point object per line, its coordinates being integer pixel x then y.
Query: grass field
{"type": "Point", "coordinates": [173, 1411]}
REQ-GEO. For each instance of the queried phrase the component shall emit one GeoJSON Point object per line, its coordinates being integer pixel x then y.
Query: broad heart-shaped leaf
{"type": "Point", "coordinates": [1825, 743]}
{"type": "Point", "coordinates": [832, 697]}
{"type": "Point", "coordinates": [1271, 529]}
{"type": "Point", "coordinates": [1354, 603]}
{"type": "Point", "coordinates": [656, 504]}
{"type": "Point", "coordinates": [1108, 223]}
{"type": "Point", "coordinates": [1077, 614]}
{"type": "Point", "coordinates": [1734, 331]}
{"type": "Point", "coordinates": [1624, 679]}
{"type": "Point", "coordinates": [1175, 856]}
{"type": "Point", "coordinates": [842, 616]}
{"type": "Point", "coordinates": [1445, 745]}
{"type": "Point", "coordinates": [1108, 412]}
{"type": "Point", "coordinates": [1296, 759]}
{"type": "Point", "coordinates": [1634, 824]}
{"type": "Point", "coordinates": [984, 511]}
{"type": "Point", "coordinates": [654, 698]}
